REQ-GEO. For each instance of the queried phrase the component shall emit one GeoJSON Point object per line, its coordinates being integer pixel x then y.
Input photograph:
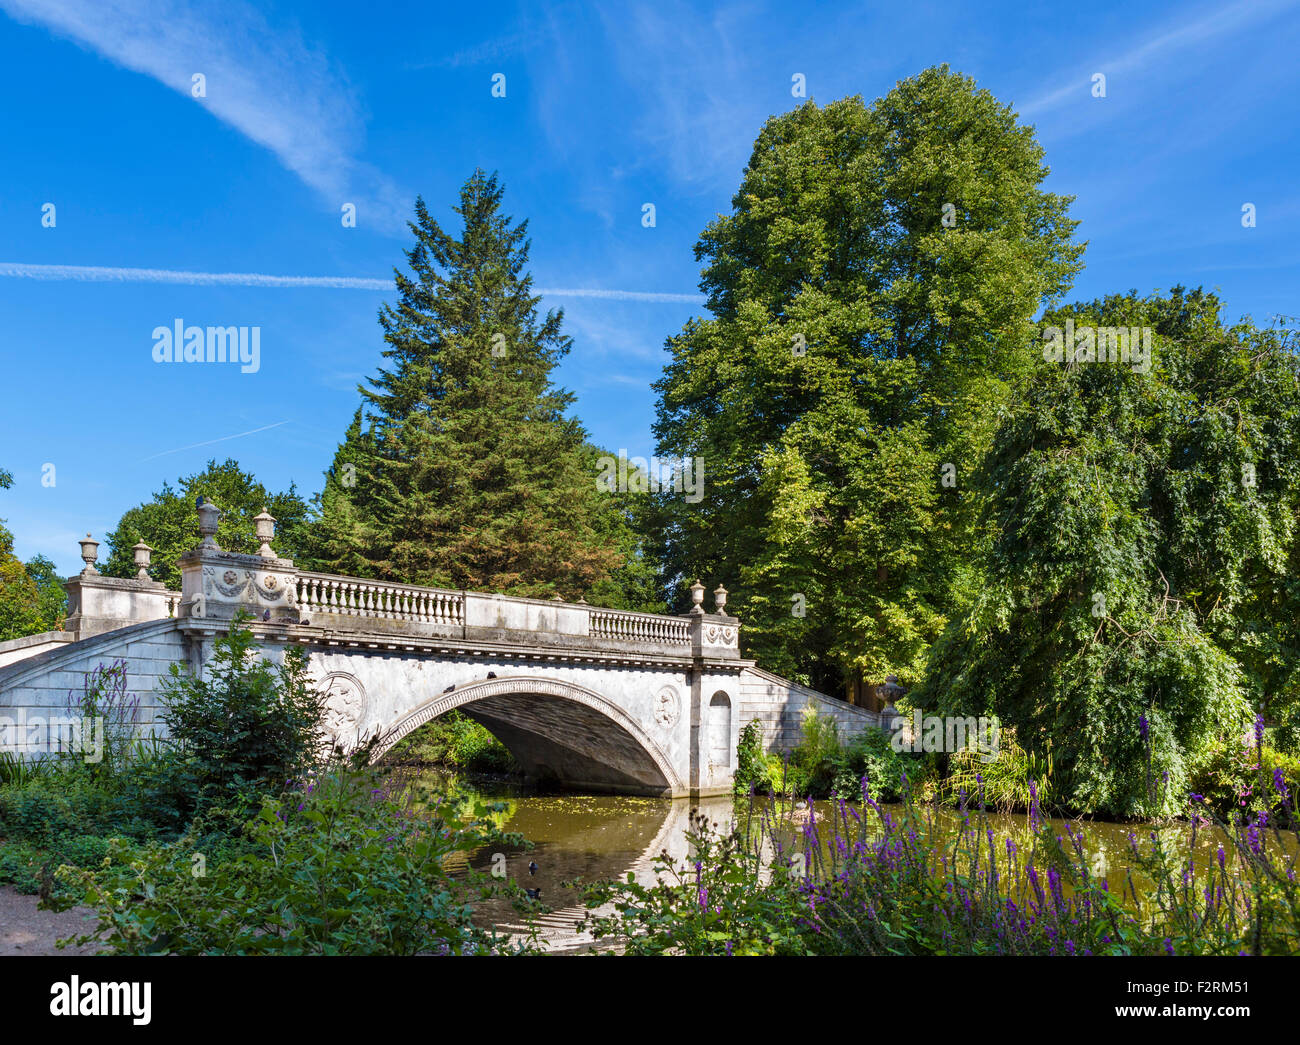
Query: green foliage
{"type": "Point", "coordinates": [51, 598]}
{"type": "Point", "coordinates": [824, 466]}
{"type": "Point", "coordinates": [1238, 779]}
{"type": "Point", "coordinates": [456, 741]}
{"type": "Point", "coordinates": [242, 728]}
{"type": "Point", "coordinates": [751, 761]}
{"type": "Point", "coordinates": [340, 866]}
{"type": "Point", "coordinates": [169, 523]}
{"type": "Point", "coordinates": [822, 765]}
{"type": "Point", "coordinates": [1142, 528]}
{"type": "Point", "coordinates": [32, 599]}
{"type": "Point", "coordinates": [710, 908]}
{"type": "Point", "coordinates": [462, 470]}
{"type": "Point", "coordinates": [1013, 781]}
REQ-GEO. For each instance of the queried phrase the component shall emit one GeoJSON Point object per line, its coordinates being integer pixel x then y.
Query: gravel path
{"type": "Point", "coordinates": [26, 930]}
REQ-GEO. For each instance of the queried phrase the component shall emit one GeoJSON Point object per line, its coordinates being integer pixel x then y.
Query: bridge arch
{"type": "Point", "coordinates": [557, 730]}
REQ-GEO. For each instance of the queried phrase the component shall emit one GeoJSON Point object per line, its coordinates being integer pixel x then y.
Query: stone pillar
{"type": "Point", "coordinates": [715, 640]}
{"type": "Point", "coordinates": [97, 604]}
{"type": "Point", "coordinates": [217, 584]}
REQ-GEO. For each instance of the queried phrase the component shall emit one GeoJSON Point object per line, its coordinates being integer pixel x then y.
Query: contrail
{"type": "Point", "coordinates": [102, 274]}
{"type": "Point", "coordinates": [107, 274]}
{"type": "Point", "coordinates": [209, 442]}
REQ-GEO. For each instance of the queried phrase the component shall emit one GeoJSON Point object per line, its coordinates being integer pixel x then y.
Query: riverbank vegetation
{"type": "Point", "coordinates": [240, 833]}
{"type": "Point", "coordinates": [1228, 775]}
{"type": "Point", "coordinates": [870, 881]}
{"type": "Point", "coordinates": [454, 741]}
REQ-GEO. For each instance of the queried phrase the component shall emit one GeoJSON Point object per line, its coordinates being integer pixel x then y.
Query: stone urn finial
{"type": "Point", "coordinates": [697, 598]}
{"type": "Point", "coordinates": [720, 599]}
{"type": "Point", "coordinates": [265, 524]}
{"type": "Point", "coordinates": [209, 516]}
{"type": "Point", "coordinates": [142, 557]}
{"type": "Point", "coordinates": [891, 692]}
{"type": "Point", "coordinates": [89, 553]}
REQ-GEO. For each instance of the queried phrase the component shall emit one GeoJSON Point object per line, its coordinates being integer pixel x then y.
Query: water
{"type": "Point", "coordinates": [592, 837]}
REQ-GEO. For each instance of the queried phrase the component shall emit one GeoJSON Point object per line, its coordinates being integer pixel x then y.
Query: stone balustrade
{"type": "Point", "coordinates": [626, 626]}
{"type": "Point", "coordinates": [217, 584]}
{"type": "Point", "coordinates": [320, 593]}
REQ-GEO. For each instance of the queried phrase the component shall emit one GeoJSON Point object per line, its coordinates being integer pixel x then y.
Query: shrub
{"type": "Point", "coordinates": [751, 761]}
{"type": "Point", "coordinates": [1010, 782]}
{"type": "Point", "coordinates": [244, 728]}
{"type": "Point", "coordinates": [340, 866]}
{"type": "Point", "coordinates": [1233, 777]}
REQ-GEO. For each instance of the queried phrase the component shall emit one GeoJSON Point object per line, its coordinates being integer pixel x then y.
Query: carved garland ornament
{"type": "Point", "coordinates": [720, 635]}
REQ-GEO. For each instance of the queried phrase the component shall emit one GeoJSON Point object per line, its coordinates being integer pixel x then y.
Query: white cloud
{"type": "Point", "coordinates": [264, 81]}
{"type": "Point", "coordinates": [1162, 45]}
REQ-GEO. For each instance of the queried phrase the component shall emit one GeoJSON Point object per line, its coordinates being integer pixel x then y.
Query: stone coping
{"type": "Point", "coordinates": [23, 641]}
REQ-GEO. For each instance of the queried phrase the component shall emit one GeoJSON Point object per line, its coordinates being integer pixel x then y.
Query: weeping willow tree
{"type": "Point", "coordinates": [1139, 595]}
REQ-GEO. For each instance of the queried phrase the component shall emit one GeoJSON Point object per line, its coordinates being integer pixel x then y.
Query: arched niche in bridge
{"type": "Point", "coordinates": [558, 731]}
{"type": "Point", "coordinates": [718, 724]}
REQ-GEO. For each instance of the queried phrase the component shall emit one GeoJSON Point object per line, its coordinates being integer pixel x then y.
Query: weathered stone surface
{"type": "Point", "coordinates": [583, 696]}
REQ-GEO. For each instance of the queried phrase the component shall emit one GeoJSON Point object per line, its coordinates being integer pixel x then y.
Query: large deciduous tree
{"type": "Point", "coordinates": [869, 294]}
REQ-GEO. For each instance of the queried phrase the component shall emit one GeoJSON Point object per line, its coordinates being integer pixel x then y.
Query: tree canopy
{"type": "Point", "coordinates": [1138, 594]}
{"type": "Point", "coordinates": [169, 521]}
{"type": "Point", "coordinates": [869, 294]}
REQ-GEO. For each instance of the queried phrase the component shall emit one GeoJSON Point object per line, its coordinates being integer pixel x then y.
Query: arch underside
{"type": "Point", "coordinates": [562, 735]}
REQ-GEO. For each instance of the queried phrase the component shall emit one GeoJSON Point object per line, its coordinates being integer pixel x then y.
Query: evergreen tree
{"type": "Point", "coordinates": [869, 294]}
{"type": "Point", "coordinates": [464, 471]}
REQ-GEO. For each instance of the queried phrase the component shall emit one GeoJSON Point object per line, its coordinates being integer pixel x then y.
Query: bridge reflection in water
{"type": "Point", "coordinates": [578, 836]}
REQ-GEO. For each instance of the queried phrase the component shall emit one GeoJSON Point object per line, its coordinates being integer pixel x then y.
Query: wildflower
{"type": "Point", "coordinates": [1279, 783]}
{"type": "Point", "coordinates": [1143, 726]}
{"type": "Point", "coordinates": [1169, 946]}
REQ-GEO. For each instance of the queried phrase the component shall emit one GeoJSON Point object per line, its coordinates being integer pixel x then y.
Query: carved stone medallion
{"type": "Point", "coordinates": [345, 708]}
{"type": "Point", "coordinates": [667, 707]}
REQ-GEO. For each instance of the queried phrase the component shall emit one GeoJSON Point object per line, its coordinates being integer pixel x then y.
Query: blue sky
{"type": "Point", "coordinates": [312, 105]}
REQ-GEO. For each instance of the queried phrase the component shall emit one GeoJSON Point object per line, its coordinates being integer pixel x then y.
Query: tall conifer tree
{"type": "Point", "coordinates": [464, 470]}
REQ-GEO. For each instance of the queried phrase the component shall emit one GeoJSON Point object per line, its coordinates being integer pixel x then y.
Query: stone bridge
{"type": "Point", "coordinates": [583, 697]}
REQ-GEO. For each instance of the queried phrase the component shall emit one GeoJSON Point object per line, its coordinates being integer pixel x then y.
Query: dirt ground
{"type": "Point", "coordinates": [26, 930]}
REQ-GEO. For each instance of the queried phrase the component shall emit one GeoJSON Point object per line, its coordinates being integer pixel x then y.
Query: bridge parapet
{"type": "Point", "coordinates": [216, 584]}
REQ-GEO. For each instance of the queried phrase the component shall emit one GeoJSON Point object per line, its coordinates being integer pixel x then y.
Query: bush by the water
{"type": "Point", "coordinates": [821, 765]}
